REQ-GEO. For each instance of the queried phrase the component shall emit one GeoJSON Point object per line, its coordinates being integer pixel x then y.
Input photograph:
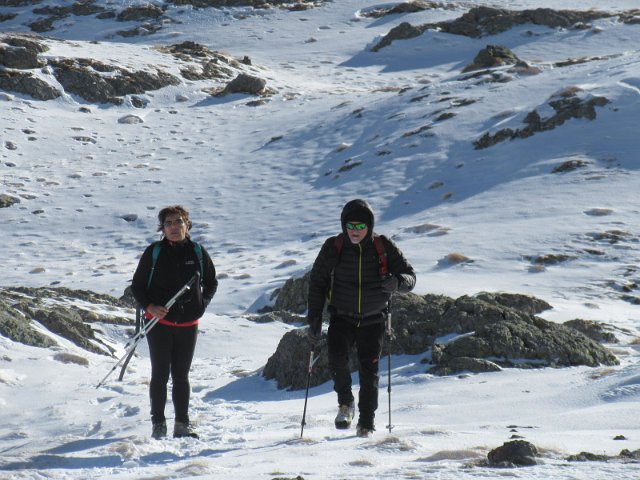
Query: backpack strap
{"type": "Point", "coordinates": [338, 242]}
{"type": "Point", "coordinates": [156, 251]}
{"type": "Point", "coordinates": [198, 250]}
{"type": "Point", "coordinates": [154, 260]}
{"type": "Point", "coordinates": [382, 256]}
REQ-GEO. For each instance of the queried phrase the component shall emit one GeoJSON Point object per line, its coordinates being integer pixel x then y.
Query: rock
{"type": "Point", "coordinates": [570, 166]}
{"type": "Point", "coordinates": [18, 328]}
{"type": "Point", "coordinates": [463, 364]}
{"type": "Point", "coordinates": [403, 31]}
{"type": "Point", "coordinates": [56, 310]}
{"type": "Point", "coordinates": [137, 13]}
{"type": "Point", "coordinates": [85, 8]}
{"type": "Point", "coordinates": [130, 119]}
{"type": "Point", "coordinates": [245, 83]}
{"type": "Point", "coordinates": [7, 200]}
{"type": "Point", "coordinates": [28, 84]}
{"type": "Point", "coordinates": [288, 364]}
{"type": "Point", "coordinates": [496, 330]}
{"type": "Point", "coordinates": [507, 335]}
{"type": "Point", "coordinates": [566, 105]}
{"type": "Point", "coordinates": [515, 453]}
{"type": "Point", "coordinates": [523, 303]}
{"type": "Point", "coordinates": [492, 56]}
{"type": "Point", "coordinates": [19, 57]}
{"type": "Point", "coordinates": [292, 296]}
{"type": "Point", "coordinates": [102, 83]}
{"type": "Point", "coordinates": [594, 330]}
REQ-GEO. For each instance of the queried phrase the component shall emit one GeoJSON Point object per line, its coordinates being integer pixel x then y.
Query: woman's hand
{"type": "Point", "coordinates": [157, 311]}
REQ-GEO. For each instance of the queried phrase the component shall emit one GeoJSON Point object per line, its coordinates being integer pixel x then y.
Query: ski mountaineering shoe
{"type": "Point", "coordinates": [345, 416]}
{"type": "Point", "coordinates": [183, 429]}
{"type": "Point", "coordinates": [364, 432]}
{"type": "Point", "coordinates": [159, 430]}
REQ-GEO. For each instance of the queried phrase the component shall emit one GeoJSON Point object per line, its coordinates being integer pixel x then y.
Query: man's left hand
{"type": "Point", "coordinates": [390, 284]}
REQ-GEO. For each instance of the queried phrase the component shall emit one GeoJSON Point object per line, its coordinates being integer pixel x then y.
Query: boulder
{"type": "Point", "coordinates": [245, 83]}
{"type": "Point", "coordinates": [517, 453]}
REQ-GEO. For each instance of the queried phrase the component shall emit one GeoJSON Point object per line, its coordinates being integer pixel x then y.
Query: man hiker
{"type": "Point", "coordinates": [355, 274]}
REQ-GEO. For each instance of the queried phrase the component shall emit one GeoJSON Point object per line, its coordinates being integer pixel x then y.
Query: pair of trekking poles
{"type": "Point", "coordinates": [142, 331]}
{"type": "Point", "coordinates": [314, 355]}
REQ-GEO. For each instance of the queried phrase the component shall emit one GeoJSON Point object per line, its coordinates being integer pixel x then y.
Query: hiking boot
{"type": "Point", "coordinates": [159, 430]}
{"type": "Point", "coordinates": [364, 432]}
{"type": "Point", "coordinates": [345, 416]}
{"type": "Point", "coordinates": [183, 429]}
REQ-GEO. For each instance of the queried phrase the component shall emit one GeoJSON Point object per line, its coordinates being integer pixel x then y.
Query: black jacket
{"type": "Point", "coordinates": [356, 292]}
{"type": "Point", "coordinates": [175, 265]}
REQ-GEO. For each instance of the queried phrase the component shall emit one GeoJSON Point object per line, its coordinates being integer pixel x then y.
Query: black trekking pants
{"type": "Point", "coordinates": [171, 350]}
{"type": "Point", "coordinates": [342, 336]}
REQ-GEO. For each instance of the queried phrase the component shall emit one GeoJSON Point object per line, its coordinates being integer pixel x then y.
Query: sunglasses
{"type": "Point", "coordinates": [179, 222]}
{"type": "Point", "coordinates": [356, 226]}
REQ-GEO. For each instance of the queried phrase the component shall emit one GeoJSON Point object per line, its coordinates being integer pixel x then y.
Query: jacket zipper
{"type": "Point", "coordinates": [359, 281]}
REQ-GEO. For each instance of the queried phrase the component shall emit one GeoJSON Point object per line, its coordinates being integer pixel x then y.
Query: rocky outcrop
{"type": "Point", "coordinates": [568, 104]}
{"type": "Point", "coordinates": [491, 330]}
{"type": "Point", "coordinates": [625, 456]}
{"type": "Point", "coordinates": [100, 82]}
{"type": "Point", "coordinates": [86, 78]}
{"type": "Point", "coordinates": [56, 310]}
{"type": "Point", "coordinates": [484, 21]}
{"type": "Point", "coordinates": [402, 8]}
{"type": "Point", "coordinates": [27, 84]}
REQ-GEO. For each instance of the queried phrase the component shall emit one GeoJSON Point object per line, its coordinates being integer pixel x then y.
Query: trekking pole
{"type": "Point", "coordinates": [133, 343]}
{"type": "Point", "coordinates": [389, 338]}
{"type": "Point", "coordinates": [130, 355]}
{"type": "Point", "coordinates": [313, 352]}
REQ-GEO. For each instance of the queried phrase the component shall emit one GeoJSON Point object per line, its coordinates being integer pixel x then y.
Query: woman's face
{"type": "Point", "coordinates": [174, 228]}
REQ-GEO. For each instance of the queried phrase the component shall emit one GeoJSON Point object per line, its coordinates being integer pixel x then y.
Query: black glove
{"type": "Point", "coordinates": [313, 336]}
{"type": "Point", "coordinates": [390, 284]}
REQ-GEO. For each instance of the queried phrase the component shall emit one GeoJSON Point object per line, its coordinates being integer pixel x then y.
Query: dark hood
{"type": "Point", "coordinates": [358, 209]}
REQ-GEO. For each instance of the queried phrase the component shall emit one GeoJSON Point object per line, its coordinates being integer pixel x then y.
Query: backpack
{"type": "Point", "coordinates": [156, 251]}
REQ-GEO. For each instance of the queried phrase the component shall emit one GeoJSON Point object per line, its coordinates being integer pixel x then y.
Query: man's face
{"type": "Point", "coordinates": [356, 230]}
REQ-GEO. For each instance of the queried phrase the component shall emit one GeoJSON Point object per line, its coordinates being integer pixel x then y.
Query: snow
{"type": "Point", "coordinates": [260, 183]}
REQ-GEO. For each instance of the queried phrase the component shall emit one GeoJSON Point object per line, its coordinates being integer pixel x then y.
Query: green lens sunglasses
{"type": "Point", "coordinates": [356, 226]}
